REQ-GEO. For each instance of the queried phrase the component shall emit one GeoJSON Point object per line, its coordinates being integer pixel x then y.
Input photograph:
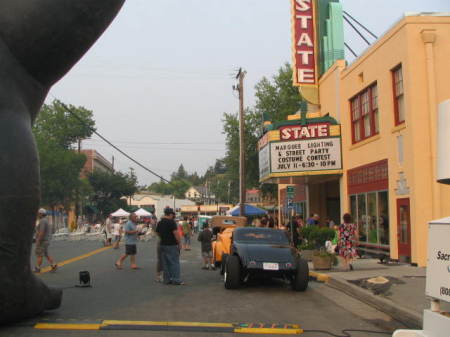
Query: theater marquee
{"type": "Point", "coordinates": [299, 150]}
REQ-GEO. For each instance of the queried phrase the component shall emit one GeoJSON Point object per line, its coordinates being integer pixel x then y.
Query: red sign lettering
{"type": "Point", "coordinates": [304, 42]}
{"type": "Point", "coordinates": [309, 131]}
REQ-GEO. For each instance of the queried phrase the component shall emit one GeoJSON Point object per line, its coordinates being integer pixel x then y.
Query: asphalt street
{"type": "Point", "coordinates": [133, 295]}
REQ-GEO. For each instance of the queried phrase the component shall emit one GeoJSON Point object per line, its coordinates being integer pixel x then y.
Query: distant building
{"type": "Point", "coordinates": [157, 202]}
{"type": "Point", "coordinates": [95, 161]}
{"type": "Point", "coordinates": [253, 196]}
{"type": "Point", "coordinates": [200, 194]}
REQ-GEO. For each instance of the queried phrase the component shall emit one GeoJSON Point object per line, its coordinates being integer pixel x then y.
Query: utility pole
{"type": "Point", "coordinates": [240, 88]}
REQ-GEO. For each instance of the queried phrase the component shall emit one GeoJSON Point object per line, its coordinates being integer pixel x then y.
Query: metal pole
{"type": "Point", "coordinates": [240, 76]}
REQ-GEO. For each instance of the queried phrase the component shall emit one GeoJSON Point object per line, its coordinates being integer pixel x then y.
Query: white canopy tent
{"type": "Point", "coordinates": [120, 212]}
{"type": "Point", "coordinates": [142, 212]}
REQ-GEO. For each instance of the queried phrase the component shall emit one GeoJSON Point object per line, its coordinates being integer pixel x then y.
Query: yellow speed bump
{"type": "Point", "coordinates": [269, 331]}
{"type": "Point", "coordinates": [180, 324]}
{"type": "Point", "coordinates": [320, 277]}
{"type": "Point", "coordinates": [63, 326]}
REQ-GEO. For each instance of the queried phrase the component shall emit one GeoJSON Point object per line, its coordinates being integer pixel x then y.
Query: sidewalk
{"type": "Point", "coordinates": [403, 297]}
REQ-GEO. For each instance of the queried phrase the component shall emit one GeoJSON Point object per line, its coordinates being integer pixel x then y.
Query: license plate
{"type": "Point", "coordinates": [270, 266]}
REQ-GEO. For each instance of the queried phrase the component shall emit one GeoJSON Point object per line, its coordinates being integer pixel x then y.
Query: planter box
{"type": "Point", "coordinates": [322, 262]}
{"type": "Point", "coordinates": [307, 254]}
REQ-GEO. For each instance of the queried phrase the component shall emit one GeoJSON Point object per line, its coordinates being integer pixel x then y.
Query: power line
{"type": "Point", "coordinates": [111, 144]}
{"type": "Point", "coordinates": [351, 50]}
{"type": "Point", "coordinates": [356, 30]}
{"type": "Point", "coordinates": [361, 25]}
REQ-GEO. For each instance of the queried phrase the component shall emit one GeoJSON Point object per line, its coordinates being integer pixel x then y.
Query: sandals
{"type": "Point", "coordinates": [118, 266]}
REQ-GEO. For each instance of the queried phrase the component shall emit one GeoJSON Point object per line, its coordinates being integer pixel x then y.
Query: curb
{"type": "Point", "coordinates": [325, 278]}
{"type": "Point", "coordinates": [405, 316]}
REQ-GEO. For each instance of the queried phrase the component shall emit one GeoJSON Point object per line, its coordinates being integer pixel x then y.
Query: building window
{"type": "Point", "coordinates": [399, 101]}
{"type": "Point", "coordinates": [364, 114]}
{"type": "Point", "coordinates": [371, 214]}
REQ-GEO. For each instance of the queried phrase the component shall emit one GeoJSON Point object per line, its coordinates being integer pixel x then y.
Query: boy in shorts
{"type": "Point", "coordinates": [205, 238]}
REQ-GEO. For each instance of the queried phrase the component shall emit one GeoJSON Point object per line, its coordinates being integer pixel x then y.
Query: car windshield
{"type": "Point", "coordinates": [261, 236]}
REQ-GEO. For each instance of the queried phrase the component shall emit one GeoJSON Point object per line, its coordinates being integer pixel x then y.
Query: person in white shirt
{"type": "Point", "coordinates": [116, 232]}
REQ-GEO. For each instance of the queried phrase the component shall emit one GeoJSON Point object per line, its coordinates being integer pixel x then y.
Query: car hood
{"type": "Point", "coordinates": [265, 253]}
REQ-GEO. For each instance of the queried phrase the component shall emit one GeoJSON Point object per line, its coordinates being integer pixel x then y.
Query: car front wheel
{"type": "Point", "coordinates": [301, 277]}
{"type": "Point", "coordinates": [222, 265]}
{"type": "Point", "coordinates": [232, 274]}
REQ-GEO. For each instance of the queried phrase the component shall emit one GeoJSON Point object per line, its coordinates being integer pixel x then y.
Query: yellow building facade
{"type": "Point", "coordinates": [386, 103]}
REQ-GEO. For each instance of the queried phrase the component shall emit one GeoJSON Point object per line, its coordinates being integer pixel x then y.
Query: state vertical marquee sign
{"type": "Point", "coordinates": [305, 49]}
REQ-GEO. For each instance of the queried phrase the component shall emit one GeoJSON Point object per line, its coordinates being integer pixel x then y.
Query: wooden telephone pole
{"type": "Point", "coordinates": [240, 76]}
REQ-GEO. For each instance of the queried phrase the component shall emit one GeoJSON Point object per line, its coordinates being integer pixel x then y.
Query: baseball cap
{"type": "Point", "coordinates": [42, 211]}
{"type": "Point", "coordinates": [168, 211]}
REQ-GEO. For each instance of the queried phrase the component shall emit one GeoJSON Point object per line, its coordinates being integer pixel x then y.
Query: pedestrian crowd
{"type": "Point", "coordinates": [175, 237]}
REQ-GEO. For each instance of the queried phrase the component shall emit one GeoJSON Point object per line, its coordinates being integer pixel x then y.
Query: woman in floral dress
{"type": "Point", "coordinates": [347, 238]}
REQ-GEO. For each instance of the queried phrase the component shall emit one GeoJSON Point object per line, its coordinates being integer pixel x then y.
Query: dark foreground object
{"type": "Point", "coordinates": [40, 40]}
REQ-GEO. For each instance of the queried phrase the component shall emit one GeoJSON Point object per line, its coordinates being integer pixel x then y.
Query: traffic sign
{"type": "Point", "coordinates": [290, 192]}
{"type": "Point", "coordinates": [290, 203]}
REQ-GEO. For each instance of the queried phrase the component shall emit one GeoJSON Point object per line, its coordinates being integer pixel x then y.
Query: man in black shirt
{"type": "Point", "coordinates": [170, 248]}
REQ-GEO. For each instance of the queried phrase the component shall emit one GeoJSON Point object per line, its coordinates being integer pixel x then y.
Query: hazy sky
{"type": "Point", "coordinates": [160, 78]}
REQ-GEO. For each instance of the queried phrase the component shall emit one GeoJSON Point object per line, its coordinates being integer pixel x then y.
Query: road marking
{"type": "Point", "coordinates": [75, 259]}
{"type": "Point", "coordinates": [238, 328]}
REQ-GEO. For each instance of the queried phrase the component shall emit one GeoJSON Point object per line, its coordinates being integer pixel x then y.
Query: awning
{"type": "Point", "coordinates": [120, 212]}
{"type": "Point", "coordinates": [249, 210]}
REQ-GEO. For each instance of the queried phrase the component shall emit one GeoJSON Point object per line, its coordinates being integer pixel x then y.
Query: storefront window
{"type": "Point", "coordinates": [371, 213]}
{"type": "Point", "coordinates": [361, 216]}
{"type": "Point", "coordinates": [372, 217]}
{"type": "Point", "coordinates": [353, 210]}
{"type": "Point", "coordinates": [383, 217]}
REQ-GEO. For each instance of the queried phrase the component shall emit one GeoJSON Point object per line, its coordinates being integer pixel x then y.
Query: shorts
{"type": "Point", "coordinates": [130, 249]}
{"type": "Point", "coordinates": [42, 249]}
{"type": "Point", "coordinates": [187, 239]}
{"type": "Point", "coordinates": [207, 254]}
{"type": "Point", "coordinates": [116, 238]}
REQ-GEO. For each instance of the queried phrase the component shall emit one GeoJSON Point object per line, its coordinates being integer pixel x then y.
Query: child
{"type": "Point", "coordinates": [205, 238]}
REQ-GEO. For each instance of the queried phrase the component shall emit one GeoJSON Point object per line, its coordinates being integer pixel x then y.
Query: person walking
{"type": "Point", "coordinates": [205, 237]}
{"type": "Point", "coordinates": [170, 248]}
{"type": "Point", "coordinates": [108, 231]}
{"type": "Point", "coordinates": [346, 242]}
{"type": "Point", "coordinates": [293, 229]}
{"type": "Point", "coordinates": [131, 235]}
{"type": "Point", "coordinates": [187, 233]}
{"type": "Point", "coordinates": [117, 229]}
{"type": "Point", "coordinates": [43, 234]}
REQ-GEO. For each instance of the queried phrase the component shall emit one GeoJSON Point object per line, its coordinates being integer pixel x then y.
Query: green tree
{"type": "Point", "coordinates": [60, 172]}
{"type": "Point", "coordinates": [54, 123]}
{"type": "Point", "coordinates": [231, 160]}
{"type": "Point", "coordinates": [108, 189]}
{"type": "Point", "coordinates": [277, 99]}
{"type": "Point", "coordinates": [56, 130]}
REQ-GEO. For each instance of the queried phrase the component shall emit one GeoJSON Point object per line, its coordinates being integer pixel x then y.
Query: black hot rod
{"type": "Point", "coordinates": [263, 251]}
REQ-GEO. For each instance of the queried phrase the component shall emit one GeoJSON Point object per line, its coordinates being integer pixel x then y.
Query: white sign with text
{"type": "Point", "coordinates": [264, 161]}
{"type": "Point", "coordinates": [438, 266]}
{"type": "Point", "coordinates": [306, 155]}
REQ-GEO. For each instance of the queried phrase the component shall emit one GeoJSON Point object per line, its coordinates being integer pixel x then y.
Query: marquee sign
{"type": "Point", "coordinates": [304, 43]}
{"type": "Point", "coordinates": [306, 155]}
{"type": "Point", "coordinates": [295, 150]}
